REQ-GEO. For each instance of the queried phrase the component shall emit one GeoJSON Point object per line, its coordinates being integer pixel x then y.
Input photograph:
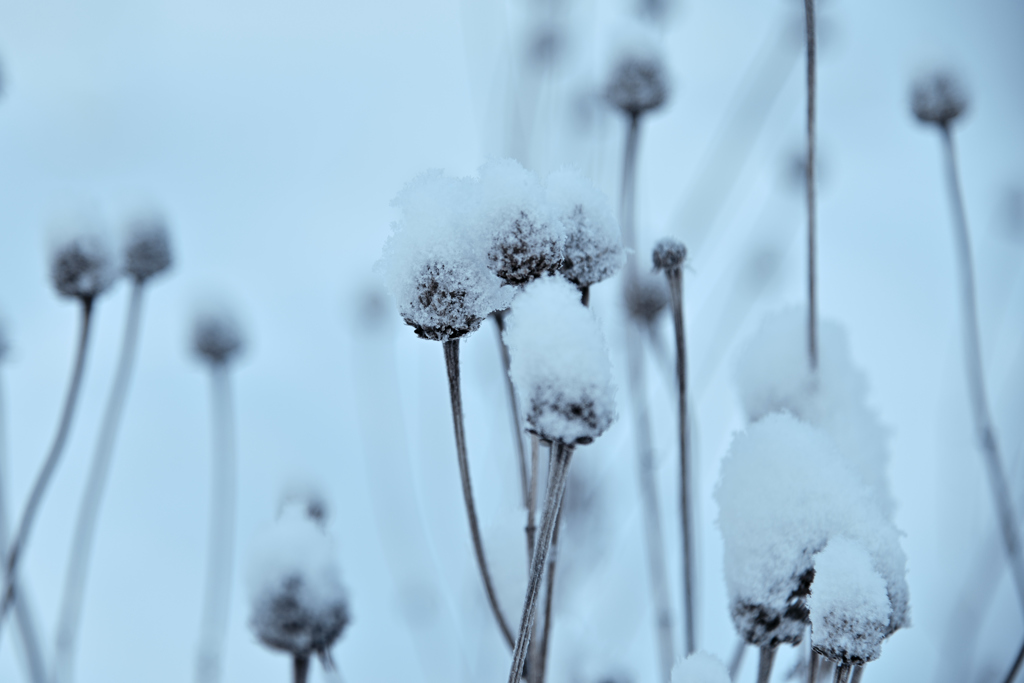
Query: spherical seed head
{"type": "Point", "coordinates": [147, 248]}
{"type": "Point", "coordinates": [638, 78]}
{"type": "Point", "coordinates": [593, 245]}
{"type": "Point", "coordinates": [646, 296]}
{"type": "Point", "coordinates": [82, 262]}
{"type": "Point", "coordinates": [217, 336]}
{"type": "Point", "coordinates": [938, 98]}
{"type": "Point", "coordinates": [668, 255]}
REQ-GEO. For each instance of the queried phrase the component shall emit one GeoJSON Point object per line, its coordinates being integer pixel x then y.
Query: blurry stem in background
{"type": "Point", "coordinates": [517, 423]}
{"type": "Point", "coordinates": [451, 359]}
{"type": "Point", "coordinates": [26, 629]}
{"type": "Point", "coordinates": [49, 465]}
{"type": "Point", "coordinates": [764, 664]}
{"type": "Point", "coordinates": [300, 668]}
{"type": "Point", "coordinates": [737, 658]}
{"type": "Point", "coordinates": [812, 666]}
{"type": "Point", "coordinates": [220, 553]}
{"type": "Point", "coordinates": [842, 673]}
{"type": "Point", "coordinates": [858, 672]}
{"type": "Point", "coordinates": [812, 293]}
{"type": "Point", "coordinates": [88, 513]}
{"type": "Point", "coordinates": [561, 455]}
{"type": "Point", "coordinates": [675, 285]}
{"type": "Point", "coordinates": [627, 204]}
{"type": "Point", "coordinates": [1015, 669]}
{"type": "Point", "coordinates": [975, 373]}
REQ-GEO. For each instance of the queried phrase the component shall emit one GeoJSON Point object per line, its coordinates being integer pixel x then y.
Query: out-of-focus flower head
{"type": "Point", "coordinates": [147, 246]}
{"type": "Point", "coordinates": [82, 260]}
{"type": "Point", "coordinates": [217, 335]}
{"type": "Point", "coordinates": [669, 255]}
{"type": "Point", "coordinates": [646, 296]}
{"type": "Point", "coordinates": [638, 78]}
{"type": "Point", "coordinates": [938, 98]}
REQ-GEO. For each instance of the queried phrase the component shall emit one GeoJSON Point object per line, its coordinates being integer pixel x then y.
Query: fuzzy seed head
{"type": "Point", "coordinates": [638, 78]}
{"type": "Point", "coordinates": [147, 247]}
{"type": "Point", "coordinates": [669, 255]}
{"type": "Point", "coordinates": [646, 297]}
{"type": "Point", "coordinates": [938, 98]}
{"type": "Point", "coordinates": [82, 263]}
{"type": "Point", "coordinates": [217, 336]}
{"type": "Point", "coordinates": [593, 245]}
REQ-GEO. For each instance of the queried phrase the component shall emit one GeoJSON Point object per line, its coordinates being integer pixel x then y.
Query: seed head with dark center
{"type": "Point", "coordinates": [217, 337]}
{"type": "Point", "coordinates": [638, 85]}
{"type": "Point", "coordinates": [668, 255]}
{"type": "Point", "coordinates": [939, 98]}
{"type": "Point", "coordinates": [147, 249]}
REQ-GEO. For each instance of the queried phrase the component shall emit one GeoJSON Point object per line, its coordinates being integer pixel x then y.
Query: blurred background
{"type": "Point", "coordinates": [273, 136]}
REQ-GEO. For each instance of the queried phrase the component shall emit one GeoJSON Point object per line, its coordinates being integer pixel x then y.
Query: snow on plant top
{"type": "Point", "coordinates": [849, 604]}
{"type": "Point", "coordinates": [559, 363]}
{"type": "Point", "coordinates": [773, 373]}
{"type": "Point", "coordinates": [434, 263]}
{"type": "Point", "coordinates": [783, 493]}
{"type": "Point", "coordinates": [700, 667]}
{"type": "Point", "coordinates": [593, 245]}
{"type": "Point", "coordinates": [298, 602]}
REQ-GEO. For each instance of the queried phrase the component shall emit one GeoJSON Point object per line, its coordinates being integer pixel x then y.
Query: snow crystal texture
{"type": "Point", "coordinates": [593, 245]}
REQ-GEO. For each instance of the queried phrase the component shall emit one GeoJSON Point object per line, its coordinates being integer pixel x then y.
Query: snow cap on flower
{"type": "Point", "coordinates": [593, 244]}
{"type": "Point", "coordinates": [646, 296]}
{"type": "Point", "coordinates": [638, 80]}
{"type": "Point", "coordinates": [147, 246]}
{"type": "Point", "coordinates": [700, 667]}
{"type": "Point", "coordinates": [217, 335]}
{"type": "Point", "coordinates": [559, 363]}
{"type": "Point", "coordinates": [525, 238]}
{"type": "Point", "coordinates": [938, 98]}
{"type": "Point", "coordinates": [849, 604]}
{"type": "Point", "coordinates": [669, 254]}
{"type": "Point", "coordinates": [298, 602]}
{"type": "Point", "coordinates": [433, 263]}
{"type": "Point", "coordinates": [82, 260]}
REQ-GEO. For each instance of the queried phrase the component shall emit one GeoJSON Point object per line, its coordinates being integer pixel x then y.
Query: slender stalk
{"type": "Point", "coordinates": [812, 666]}
{"type": "Point", "coordinates": [842, 673]}
{"type": "Point", "coordinates": [764, 664]}
{"type": "Point", "coordinates": [675, 281]}
{"type": "Point", "coordinates": [556, 488]}
{"type": "Point", "coordinates": [627, 204]}
{"type": "Point", "coordinates": [585, 295]}
{"type": "Point", "coordinates": [35, 497]}
{"type": "Point", "coordinates": [737, 658]}
{"type": "Point", "coordinates": [858, 672]}
{"type": "Point", "coordinates": [548, 600]}
{"type": "Point", "coordinates": [517, 423]}
{"type": "Point", "coordinates": [976, 374]}
{"type": "Point", "coordinates": [826, 668]}
{"type": "Point", "coordinates": [1015, 669]}
{"type": "Point", "coordinates": [220, 553]}
{"type": "Point", "coordinates": [812, 293]}
{"type": "Point", "coordinates": [88, 513]}
{"type": "Point", "coordinates": [533, 652]}
{"type": "Point", "coordinates": [300, 668]}
{"type": "Point", "coordinates": [451, 358]}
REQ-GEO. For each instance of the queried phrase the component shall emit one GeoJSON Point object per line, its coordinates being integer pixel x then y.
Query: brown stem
{"type": "Point", "coordinates": [542, 656]}
{"type": "Point", "coordinates": [812, 666]}
{"type": "Point", "coordinates": [556, 488]}
{"type": "Point", "coordinates": [858, 672]}
{"type": "Point", "coordinates": [764, 664]}
{"type": "Point", "coordinates": [812, 293]}
{"type": "Point", "coordinates": [451, 357]}
{"type": "Point", "coordinates": [300, 668]}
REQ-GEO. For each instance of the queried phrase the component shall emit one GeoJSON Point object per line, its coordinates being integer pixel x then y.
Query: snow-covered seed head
{"type": "Point", "coordinates": [298, 602]}
{"type": "Point", "coordinates": [559, 363]}
{"type": "Point", "coordinates": [700, 667]}
{"type": "Point", "coordinates": [82, 261]}
{"type": "Point", "coordinates": [147, 247]}
{"type": "Point", "coordinates": [434, 263]}
{"type": "Point", "coordinates": [217, 335]}
{"type": "Point", "coordinates": [638, 81]}
{"type": "Point", "coordinates": [938, 98]}
{"type": "Point", "coordinates": [669, 255]}
{"type": "Point", "coordinates": [849, 604]}
{"type": "Point", "coordinates": [646, 297]}
{"type": "Point", "coordinates": [526, 238]}
{"type": "Point", "coordinates": [593, 244]}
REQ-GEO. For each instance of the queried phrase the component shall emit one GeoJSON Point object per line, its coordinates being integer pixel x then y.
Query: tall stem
{"type": "Point", "coordinates": [976, 374]}
{"type": "Point", "coordinates": [812, 292]}
{"type": "Point", "coordinates": [858, 672]}
{"type": "Point", "coordinates": [88, 513]}
{"type": "Point", "coordinates": [548, 600]}
{"type": "Point", "coordinates": [300, 668]}
{"type": "Point", "coordinates": [842, 673]}
{"type": "Point", "coordinates": [1015, 669]}
{"type": "Point", "coordinates": [627, 203]}
{"type": "Point", "coordinates": [35, 497]}
{"type": "Point", "coordinates": [675, 281]}
{"type": "Point", "coordinates": [517, 423]}
{"type": "Point", "coordinates": [451, 358]}
{"type": "Point", "coordinates": [764, 664]}
{"type": "Point", "coordinates": [533, 652]}
{"type": "Point", "coordinates": [812, 666]}
{"type": "Point", "coordinates": [556, 487]}
{"type": "Point", "coordinates": [220, 553]}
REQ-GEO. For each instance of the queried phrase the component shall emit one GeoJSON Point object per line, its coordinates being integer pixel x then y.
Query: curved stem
{"type": "Point", "coordinates": [88, 513]}
{"type": "Point", "coordinates": [220, 553]}
{"type": "Point", "coordinates": [1015, 669]}
{"type": "Point", "coordinates": [517, 423]}
{"type": "Point", "coordinates": [556, 488]}
{"type": "Point", "coordinates": [451, 358]}
{"type": "Point", "coordinates": [812, 293]}
{"type": "Point", "coordinates": [35, 497]}
{"type": "Point", "coordinates": [976, 375]}
{"type": "Point", "coordinates": [764, 664]}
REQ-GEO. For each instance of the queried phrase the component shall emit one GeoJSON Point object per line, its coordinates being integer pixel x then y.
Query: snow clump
{"type": "Point", "coordinates": [82, 261]}
{"type": "Point", "coordinates": [559, 363]}
{"type": "Point", "coordinates": [700, 667]}
{"type": "Point", "coordinates": [849, 604]}
{"type": "Point", "coordinates": [593, 245]}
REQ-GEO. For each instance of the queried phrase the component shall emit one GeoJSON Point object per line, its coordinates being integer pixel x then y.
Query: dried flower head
{"type": "Point", "coordinates": [938, 98]}
{"type": "Point", "coordinates": [646, 297]}
{"type": "Point", "coordinates": [593, 244]}
{"type": "Point", "coordinates": [638, 81]}
{"type": "Point", "coordinates": [147, 247]}
{"type": "Point", "coordinates": [559, 363]}
{"type": "Point", "coordinates": [299, 604]}
{"type": "Point", "coordinates": [525, 238]}
{"type": "Point", "coordinates": [217, 335]}
{"type": "Point", "coordinates": [669, 255]}
{"type": "Point", "coordinates": [82, 262]}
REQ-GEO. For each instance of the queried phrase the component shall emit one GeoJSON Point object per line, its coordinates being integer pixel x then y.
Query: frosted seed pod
{"type": "Point", "coordinates": [638, 79]}
{"type": "Point", "coordinates": [669, 254]}
{"type": "Point", "coordinates": [147, 247]}
{"type": "Point", "coordinates": [938, 98]}
{"type": "Point", "coordinates": [217, 335]}
{"type": "Point", "coordinates": [700, 667]}
{"type": "Point", "coordinates": [82, 262]}
{"type": "Point", "coordinates": [593, 245]}
{"type": "Point", "coordinates": [559, 363]}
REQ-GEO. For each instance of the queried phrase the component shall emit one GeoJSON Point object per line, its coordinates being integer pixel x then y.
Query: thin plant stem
{"type": "Point", "coordinates": [517, 423]}
{"type": "Point", "coordinates": [675, 281]}
{"type": "Point", "coordinates": [812, 291]}
{"type": "Point", "coordinates": [627, 204]}
{"type": "Point", "coordinates": [764, 664]}
{"type": "Point", "coordinates": [88, 513]}
{"type": "Point", "coordinates": [533, 652]}
{"type": "Point", "coordinates": [451, 358]}
{"type": "Point", "coordinates": [858, 672]}
{"type": "Point", "coordinates": [976, 375]}
{"type": "Point", "coordinates": [812, 666]}
{"type": "Point", "coordinates": [556, 488]}
{"type": "Point", "coordinates": [826, 668]}
{"type": "Point", "coordinates": [737, 658]}
{"type": "Point", "coordinates": [1017, 664]}
{"type": "Point", "coordinates": [585, 296]}
{"type": "Point", "coordinates": [35, 497]}
{"type": "Point", "coordinates": [842, 674]}
{"type": "Point", "coordinates": [300, 668]}
{"type": "Point", "coordinates": [548, 600]}
{"type": "Point", "coordinates": [220, 553]}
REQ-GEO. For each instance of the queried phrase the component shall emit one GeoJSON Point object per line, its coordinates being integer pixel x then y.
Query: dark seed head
{"type": "Point", "coordinates": [938, 98]}
{"type": "Point", "coordinates": [669, 255]}
{"type": "Point", "coordinates": [638, 85]}
{"type": "Point", "coordinates": [147, 249]}
{"type": "Point", "coordinates": [217, 336]}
